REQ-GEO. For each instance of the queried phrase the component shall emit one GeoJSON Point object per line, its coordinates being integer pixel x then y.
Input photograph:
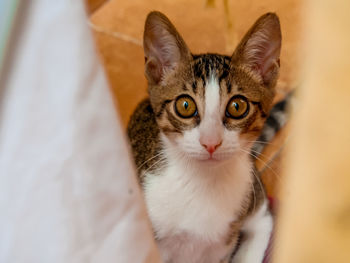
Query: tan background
{"type": "Point", "coordinates": [315, 216]}
{"type": "Point", "coordinates": [206, 26]}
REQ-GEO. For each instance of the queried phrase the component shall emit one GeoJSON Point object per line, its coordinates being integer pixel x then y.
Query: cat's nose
{"type": "Point", "coordinates": [211, 146]}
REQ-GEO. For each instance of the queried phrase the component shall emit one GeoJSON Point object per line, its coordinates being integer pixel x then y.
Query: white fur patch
{"type": "Point", "coordinates": [212, 99]}
{"type": "Point", "coordinates": [192, 205]}
{"type": "Point", "coordinates": [258, 229]}
{"type": "Point", "coordinates": [211, 122]}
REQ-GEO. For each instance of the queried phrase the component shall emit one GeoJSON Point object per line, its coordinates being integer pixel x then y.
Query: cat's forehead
{"type": "Point", "coordinates": [232, 78]}
{"type": "Point", "coordinates": [208, 65]}
{"type": "Point", "coordinates": [210, 68]}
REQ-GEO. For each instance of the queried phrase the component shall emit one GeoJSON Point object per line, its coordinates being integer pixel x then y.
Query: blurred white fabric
{"type": "Point", "coordinates": [68, 192]}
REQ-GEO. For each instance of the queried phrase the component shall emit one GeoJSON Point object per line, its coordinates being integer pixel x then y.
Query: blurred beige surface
{"type": "Point", "coordinates": [205, 28]}
{"type": "Point", "coordinates": [315, 215]}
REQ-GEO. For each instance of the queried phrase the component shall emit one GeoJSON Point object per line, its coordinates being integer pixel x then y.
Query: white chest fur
{"type": "Point", "coordinates": [191, 207]}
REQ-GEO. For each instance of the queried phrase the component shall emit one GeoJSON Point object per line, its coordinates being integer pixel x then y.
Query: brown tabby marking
{"type": "Point", "coordinates": [232, 80]}
{"type": "Point", "coordinates": [143, 130]}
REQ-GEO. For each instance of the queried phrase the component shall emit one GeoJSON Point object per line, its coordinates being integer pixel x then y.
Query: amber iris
{"type": "Point", "coordinates": [185, 107]}
{"type": "Point", "coordinates": [237, 107]}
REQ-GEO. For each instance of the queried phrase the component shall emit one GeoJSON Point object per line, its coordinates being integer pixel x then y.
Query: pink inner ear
{"type": "Point", "coordinates": [166, 50]}
{"type": "Point", "coordinates": [153, 69]}
{"type": "Point", "coordinates": [262, 52]}
{"type": "Point", "coordinates": [161, 48]}
{"type": "Point", "coordinates": [163, 45]}
{"type": "Point", "coordinates": [271, 58]}
{"type": "Point", "coordinates": [262, 48]}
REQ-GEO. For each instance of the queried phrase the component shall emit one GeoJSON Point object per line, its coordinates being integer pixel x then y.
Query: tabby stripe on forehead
{"type": "Point", "coordinates": [162, 107]}
{"type": "Point", "coordinates": [222, 84]}
{"type": "Point", "coordinates": [203, 78]}
{"type": "Point", "coordinates": [225, 71]}
{"type": "Point", "coordinates": [199, 70]}
{"type": "Point", "coordinates": [207, 70]}
{"type": "Point", "coordinates": [223, 75]}
{"type": "Point", "coordinates": [229, 87]}
{"type": "Point", "coordinates": [200, 75]}
{"type": "Point", "coordinates": [194, 87]}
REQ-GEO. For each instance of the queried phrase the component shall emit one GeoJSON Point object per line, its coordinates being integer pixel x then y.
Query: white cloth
{"type": "Point", "coordinates": [68, 191]}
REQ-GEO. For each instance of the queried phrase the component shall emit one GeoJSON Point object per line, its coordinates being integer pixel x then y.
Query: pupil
{"type": "Point", "coordinates": [185, 105]}
{"type": "Point", "coordinates": [236, 105]}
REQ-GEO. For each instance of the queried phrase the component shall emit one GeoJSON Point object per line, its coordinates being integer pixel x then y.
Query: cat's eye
{"type": "Point", "coordinates": [237, 108]}
{"type": "Point", "coordinates": [185, 107]}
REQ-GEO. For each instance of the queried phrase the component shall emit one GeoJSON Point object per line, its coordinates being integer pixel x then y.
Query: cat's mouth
{"type": "Point", "coordinates": [202, 157]}
{"type": "Point", "coordinates": [212, 158]}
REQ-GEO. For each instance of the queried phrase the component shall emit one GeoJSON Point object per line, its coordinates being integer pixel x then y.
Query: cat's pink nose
{"type": "Point", "coordinates": [211, 147]}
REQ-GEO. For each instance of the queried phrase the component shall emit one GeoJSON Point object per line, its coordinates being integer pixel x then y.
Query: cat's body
{"type": "Point", "coordinates": [196, 220]}
{"type": "Point", "coordinates": [192, 140]}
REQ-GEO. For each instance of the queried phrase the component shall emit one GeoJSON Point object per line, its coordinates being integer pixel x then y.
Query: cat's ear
{"type": "Point", "coordinates": [260, 48]}
{"type": "Point", "coordinates": [163, 46]}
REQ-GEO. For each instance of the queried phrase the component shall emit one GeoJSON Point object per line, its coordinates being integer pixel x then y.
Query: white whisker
{"type": "Point", "coordinates": [257, 178]}
{"type": "Point", "coordinates": [260, 184]}
{"type": "Point", "coordinates": [252, 185]}
{"type": "Point", "coordinates": [158, 154]}
{"type": "Point", "coordinates": [258, 153]}
{"type": "Point", "coordinates": [257, 157]}
{"type": "Point", "coordinates": [157, 162]}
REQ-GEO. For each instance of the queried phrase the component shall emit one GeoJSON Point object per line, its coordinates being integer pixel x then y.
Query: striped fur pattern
{"type": "Point", "coordinates": [232, 80]}
{"type": "Point", "coordinates": [276, 120]}
{"type": "Point", "coordinates": [202, 191]}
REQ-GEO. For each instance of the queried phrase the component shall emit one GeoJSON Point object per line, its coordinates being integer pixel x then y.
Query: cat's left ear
{"type": "Point", "coordinates": [260, 48]}
{"type": "Point", "coordinates": [164, 48]}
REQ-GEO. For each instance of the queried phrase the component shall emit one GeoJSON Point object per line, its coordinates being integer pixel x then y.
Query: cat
{"type": "Point", "coordinates": [193, 138]}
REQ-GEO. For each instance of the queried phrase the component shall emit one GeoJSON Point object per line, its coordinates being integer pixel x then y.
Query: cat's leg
{"type": "Point", "coordinates": [257, 230]}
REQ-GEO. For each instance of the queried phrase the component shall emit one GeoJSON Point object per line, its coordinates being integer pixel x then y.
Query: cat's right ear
{"type": "Point", "coordinates": [260, 49]}
{"type": "Point", "coordinates": [163, 46]}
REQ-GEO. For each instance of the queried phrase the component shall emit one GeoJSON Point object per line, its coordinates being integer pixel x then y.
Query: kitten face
{"type": "Point", "coordinates": [211, 107]}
